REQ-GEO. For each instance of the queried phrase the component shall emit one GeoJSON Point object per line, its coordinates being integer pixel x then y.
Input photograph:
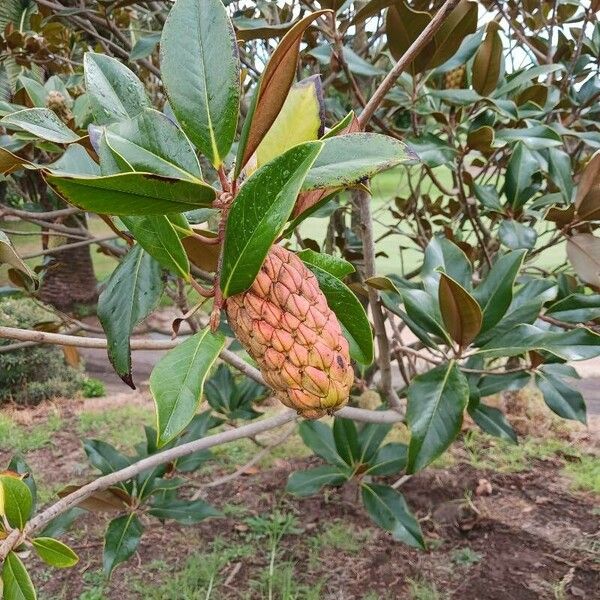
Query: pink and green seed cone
{"type": "Point", "coordinates": [284, 323]}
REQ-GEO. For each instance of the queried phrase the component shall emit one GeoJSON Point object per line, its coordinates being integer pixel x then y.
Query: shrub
{"type": "Point", "coordinates": [92, 388]}
{"type": "Point", "coordinates": [33, 374]}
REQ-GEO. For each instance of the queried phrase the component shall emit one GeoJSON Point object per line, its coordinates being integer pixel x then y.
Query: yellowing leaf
{"type": "Point", "coordinates": [300, 120]}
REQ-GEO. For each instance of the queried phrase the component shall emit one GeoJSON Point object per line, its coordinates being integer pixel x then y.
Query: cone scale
{"type": "Point", "coordinates": [285, 324]}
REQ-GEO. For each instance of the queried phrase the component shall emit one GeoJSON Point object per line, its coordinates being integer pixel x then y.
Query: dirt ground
{"type": "Point", "coordinates": [533, 537]}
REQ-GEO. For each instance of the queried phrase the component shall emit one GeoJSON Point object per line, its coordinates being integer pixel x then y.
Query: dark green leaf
{"type": "Point", "coordinates": [177, 380]}
{"type": "Point", "coordinates": [60, 525]}
{"type": "Point", "coordinates": [41, 122]}
{"type": "Point", "coordinates": [259, 214]}
{"type": "Point", "coordinates": [121, 541]}
{"type": "Point", "coordinates": [518, 185]}
{"type": "Point", "coordinates": [75, 161]}
{"type": "Point", "coordinates": [345, 436]}
{"type": "Point", "coordinates": [489, 197]}
{"type": "Point", "coordinates": [495, 293]}
{"type": "Point", "coordinates": [114, 91]}
{"type": "Point", "coordinates": [133, 193]}
{"type": "Point", "coordinates": [370, 438]}
{"type": "Point", "coordinates": [185, 512]}
{"type": "Point", "coordinates": [443, 255]}
{"type": "Point", "coordinates": [424, 311]}
{"type": "Point", "coordinates": [347, 159]}
{"type": "Point", "coordinates": [144, 46]}
{"type": "Point", "coordinates": [350, 313]}
{"type": "Point", "coordinates": [515, 235]}
{"type": "Point", "coordinates": [492, 421]}
{"type": "Point", "coordinates": [319, 438]}
{"type": "Point", "coordinates": [200, 71]}
{"type": "Point", "coordinates": [389, 459]}
{"type": "Point", "coordinates": [436, 401]}
{"type": "Point", "coordinates": [561, 398]}
{"type": "Point", "coordinates": [105, 457]}
{"type": "Point", "coordinates": [152, 143]}
{"type": "Point", "coordinates": [160, 237]}
{"type": "Point", "coordinates": [309, 482]}
{"type": "Point", "coordinates": [55, 553]}
{"type": "Point", "coordinates": [576, 308]}
{"type": "Point", "coordinates": [332, 264]}
{"type": "Point", "coordinates": [16, 582]}
{"type": "Point", "coordinates": [388, 509]}
{"type": "Point", "coordinates": [131, 294]}
{"type": "Point", "coordinates": [576, 344]}
{"type": "Point", "coordinates": [559, 166]}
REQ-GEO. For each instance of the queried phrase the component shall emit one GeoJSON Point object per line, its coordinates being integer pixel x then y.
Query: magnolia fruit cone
{"type": "Point", "coordinates": [284, 323]}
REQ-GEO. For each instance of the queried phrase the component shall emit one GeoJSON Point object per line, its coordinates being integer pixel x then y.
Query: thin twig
{"type": "Point", "coordinates": [390, 79]}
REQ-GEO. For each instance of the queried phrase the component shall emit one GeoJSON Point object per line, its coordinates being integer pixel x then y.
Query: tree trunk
{"type": "Point", "coordinates": [70, 279]}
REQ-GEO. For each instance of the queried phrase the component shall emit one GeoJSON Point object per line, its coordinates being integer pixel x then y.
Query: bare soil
{"type": "Point", "coordinates": [536, 538]}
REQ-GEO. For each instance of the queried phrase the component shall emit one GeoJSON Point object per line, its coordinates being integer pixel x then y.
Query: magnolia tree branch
{"type": "Point", "coordinates": [42, 337]}
{"type": "Point", "coordinates": [390, 79]}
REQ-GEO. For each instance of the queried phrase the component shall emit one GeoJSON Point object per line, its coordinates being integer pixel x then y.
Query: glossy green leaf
{"type": "Point", "coordinates": [389, 510]}
{"type": "Point", "coordinates": [259, 213]}
{"type": "Point", "coordinates": [424, 310]}
{"type": "Point", "coordinates": [516, 236]}
{"type": "Point", "coordinates": [495, 293]}
{"type": "Point", "coordinates": [561, 398]}
{"type": "Point", "coordinates": [152, 143]}
{"type": "Point", "coordinates": [525, 76]}
{"type": "Point", "coordinates": [158, 236]}
{"type": "Point", "coordinates": [16, 582]}
{"type": "Point", "coordinates": [55, 553]}
{"type": "Point", "coordinates": [177, 380]}
{"type": "Point", "coordinates": [319, 438]}
{"type": "Point", "coordinates": [443, 255]}
{"type": "Point", "coordinates": [350, 313]}
{"type": "Point", "coordinates": [341, 126]}
{"type": "Point", "coordinates": [8, 255]}
{"type": "Point", "coordinates": [460, 311]}
{"type": "Point", "coordinates": [121, 541]}
{"type": "Point", "coordinates": [518, 185]}
{"type": "Point", "coordinates": [186, 512]}
{"type": "Point", "coordinates": [535, 137]}
{"type": "Point", "coordinates": [300, 120]}
{"type": "Point", "coordinates": [200, 71]}
{"type": "Point", "coordinates": [492, 421]}
{"type": "Point", "coordinates": [389, 460]}
{"type": "Point", "coordinates": [332, 264]}
{"type": "Point", "coordinates": [115, 93]}
{"type": "Point", "coordinates": [104, 457]}
{"type": "Point", "coordinates": [345, 436]}
{"type": "Point", "coordinates": [576, 308]}
{"type": "Point", "coordinates": [145, 46]}
{"type": "Point", "coordinates": [132, 193]}
{"type": "Point", "coordinates": [309, 482]}
{"type": "Point", "coordinates": [347, 159]}
{"type": "Point", "coordinates": [41, 122]}
{"type": "Point", "coordinates": [131, 294]}
{"type": "Point", "coordinates": [559, 166]}
{"type": "Point", "coordinates": [16, 501]}
{"type": "Point", "coordinates": [575, 344]}
{"type": "Point", "coordinates": [370, 438]}
{"type": "Point", "coordinates": [18, 465]}
{"type": "Point", "coordinates": [74, 161]}
{"type": "Point", "coordinates": [272, 90]}
{"type": "Point", "coordinates": [436, 401]}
